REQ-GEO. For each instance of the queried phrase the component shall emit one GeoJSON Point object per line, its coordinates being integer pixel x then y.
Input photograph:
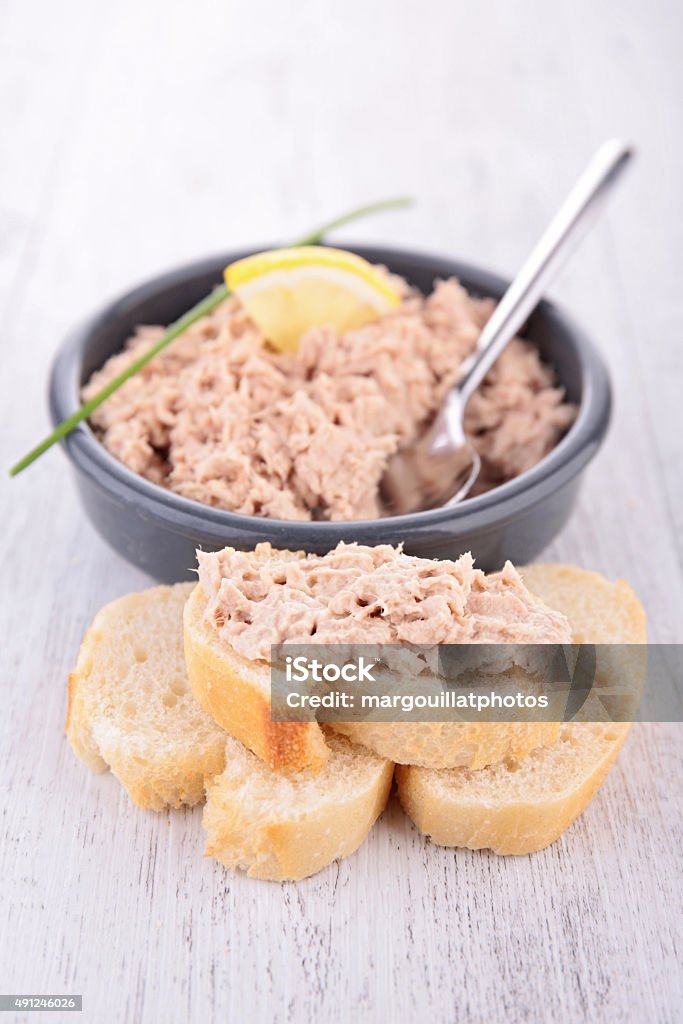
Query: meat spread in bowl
{"type": "Point", "coordinates": [223, 419]}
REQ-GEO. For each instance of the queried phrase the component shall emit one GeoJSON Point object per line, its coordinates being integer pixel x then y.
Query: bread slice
{"type": "Point", "coordinates": [236, 693]}
{"type": "Point", "coordinates": [289, 825]}
{"type": "Point", "coordinates": [130, 705]}
{"type": "Point", "coordinates": [520, 806]}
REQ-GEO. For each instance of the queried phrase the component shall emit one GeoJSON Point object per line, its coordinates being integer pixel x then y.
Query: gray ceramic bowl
{"type": "Point", "coordinates": [159, 531]}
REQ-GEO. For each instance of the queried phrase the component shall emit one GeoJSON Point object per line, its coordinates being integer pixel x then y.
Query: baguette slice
{"type": "Point", "coordinates": [520, 806]}
{"type": "Point", "coordinates": [515, 807]}
{"type": "Point", "coordinates": [289, 825]}
{"type": "Point", "coordinates": [130, 706]}
{"type": "Point", "coordinates": [236, 693]}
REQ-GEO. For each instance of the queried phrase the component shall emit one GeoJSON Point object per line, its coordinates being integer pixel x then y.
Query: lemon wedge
{"type": "Point", "coordinates": [287, 291]}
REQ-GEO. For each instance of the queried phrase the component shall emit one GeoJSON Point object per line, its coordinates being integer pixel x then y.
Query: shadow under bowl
{"type": "Point", "coordinates": [159, 531]}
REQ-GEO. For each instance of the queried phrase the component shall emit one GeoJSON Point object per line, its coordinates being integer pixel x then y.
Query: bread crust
{"type": "Point", "coordinates": [236, 693]}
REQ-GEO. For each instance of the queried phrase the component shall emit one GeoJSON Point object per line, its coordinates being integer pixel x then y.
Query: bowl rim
{"type": "Point", "coordinates": [567, 458]}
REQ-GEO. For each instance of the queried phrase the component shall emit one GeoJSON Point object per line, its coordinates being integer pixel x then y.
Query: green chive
{"type": "Point", "coordinates": [203, 308]}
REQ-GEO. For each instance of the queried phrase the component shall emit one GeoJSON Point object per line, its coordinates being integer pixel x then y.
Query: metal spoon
{"type": "Point", "coordinates": [440, 467]}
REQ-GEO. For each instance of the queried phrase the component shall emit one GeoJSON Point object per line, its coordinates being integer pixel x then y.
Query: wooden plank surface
{"type": "Point", "coordinates": [136, 136]}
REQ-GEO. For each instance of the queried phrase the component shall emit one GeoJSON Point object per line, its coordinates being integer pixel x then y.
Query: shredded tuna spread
{"type": "Point", "coordinates": [221, 418]}
{"type": "Point", "coordinates": [367, 595]}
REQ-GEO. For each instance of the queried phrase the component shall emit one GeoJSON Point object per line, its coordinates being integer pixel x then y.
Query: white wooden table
{"type": "Point", "coordinates": [136, 136]}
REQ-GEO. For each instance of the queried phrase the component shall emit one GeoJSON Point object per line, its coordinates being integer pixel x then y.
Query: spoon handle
{"type": "Point", "coordinates": [576, 215]}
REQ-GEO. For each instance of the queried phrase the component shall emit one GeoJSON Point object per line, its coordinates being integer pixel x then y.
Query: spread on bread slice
{"type": "Point", "coordinates": [247, 601]}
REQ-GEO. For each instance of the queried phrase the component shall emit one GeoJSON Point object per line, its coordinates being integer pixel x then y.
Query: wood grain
{"type": "Point", "coordinates": [140, 135]}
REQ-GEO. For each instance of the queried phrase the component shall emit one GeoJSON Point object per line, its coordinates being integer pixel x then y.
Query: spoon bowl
{"type": "Point", "coordinates": [437, 471]}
